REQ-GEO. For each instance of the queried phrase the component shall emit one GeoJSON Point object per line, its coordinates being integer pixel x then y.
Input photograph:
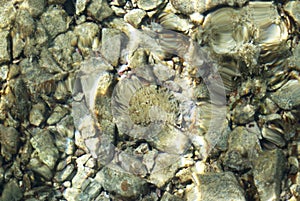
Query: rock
{"type": "Point", "coordinates": [80, 6]}
{"type": "Point", "coordinates": [37, 114]}
{"type": "Point", "coordinates": [287, 97]}
{"type": "Point", "coordinates": [169, 197]}
{"type": "Point", "coordinates": [9, 139]}
{"type": "Point", "coordinates": [55, 20]}
{"type": "Point", "coordinates": [4, 46]}
{"type": "Point", "coordinates": [7, 14]}
{"type": "Point", "coordinates": [35, 7]}
{"type": "Point", "coordinates": [114, 179]}
{"type": "Point", "coordinates": [22, 101]}
{"type": "Point", "coordinates": [135, 17]}
{"type": "Point", "coordinates": [87, 34]}
{"type": "Point", "coordinates": [3, 72]}
{"type": "Point", "coordinates": [243, 148]}
{"type": "Point", "coordinates": [164, 169]}
{"type": "Point", "coordinates": [149, 4]}
{"type": "Point", "coordinates": [99, 9]}
{"type": "Point", "coordinates": [216, 186]}
{"type": "Point", "coordinates": [58, 113]}
{"type": "Point", "coordinates": [11, 191]}
{"type": "Point", "coordinates": [38, 167]}
{"type": "Point", "coordinates": [43, 144]}
{"type": "Point", "coordinates": [268, 173]}
{"type": "Point", "coordinates": [64, 174]}
{"type": "Point", "coordinates": [111, 45]}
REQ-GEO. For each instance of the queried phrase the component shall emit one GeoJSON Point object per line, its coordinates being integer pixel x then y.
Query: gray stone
{"type": "Point", "coordinates": [169, 197]}
{"type": "Point", "coordinates": [268, 173]}
{"type": "Point", "coordinates": [114, 179]}
{"type": "Point", "coordinates": [111, 45]}
{"type": "Point", "coordinates": [58, 113]}
{"type": "Point", "coordinates": [65, 173]}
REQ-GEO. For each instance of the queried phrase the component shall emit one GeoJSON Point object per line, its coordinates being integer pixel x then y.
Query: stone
{"type": "Point", "coordinates": [111, 45]}
{"type": "Point", "coordinates": [11, 191]}
{"type": "Point", "coordinates": [135, 17]}
{"type": "Point", "coordinates": [268, 172]}
{"type": "Point", "coordinates": [114, 179]}
{"type": "Point", "coordinates": [216, 186]}
{"type": "Point", "coordinates": [99, 9]}
{"type": "Point", "coordinates": [149, 4]}
{"type": "Point", "coordinates": [4, 46]}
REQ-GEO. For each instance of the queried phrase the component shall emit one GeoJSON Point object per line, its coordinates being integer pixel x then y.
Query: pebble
{"type": "Point", "coordinates": [10, 139]}
{"type": "Point", "coordinates": [65, 173]}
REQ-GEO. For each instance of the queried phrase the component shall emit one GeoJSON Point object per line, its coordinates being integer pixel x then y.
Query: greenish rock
{"type": "Point", "coordinates": [43, 144]}
{"type": "Point", "coordinates": [7, 15]}
{"type": "Point", "coordinates": [268, 172]}
{"type": "Point", "coordinates": [169, 197]}
{"type": "Point", "coordinates": [135, 17]}
{"type": "Point", "coordinates": [55, 20]}
{"type": "Point", "coordinates": [99, 9]}
{"type": "Point", "coordinates": [87, 34]}
{"type": "Point", "coordinates": [58, 113]}
{"type": "Point", "coordinates": [63, 49]}
{"type": "Point", "coordinates": [25, 24]}
{"type": "Point", "coordinates": [243, 148]}
{"type": "Point", "coordinates": [56, 1]}
{"type": "Point", "coordinates": [221, 186]}
{"type": "Point", "coordinates": [113, 179]}
{"type": "Point", "coordinates": [288, 96]}
{"type": "Point", "coordinates": [11, 191]}
{"type": "Point", "coordinates": [149, 4]}
{"type": "Point", "coordinates": [10, 139]}
{"type": "Point", "coordinates": [38, 167]}
{"type": "Point", "coordinates": [35, 7]}
{"type": "Point", "coordinates": [37, 114]}
{"type": "Point", "coordinates": [5, 50]}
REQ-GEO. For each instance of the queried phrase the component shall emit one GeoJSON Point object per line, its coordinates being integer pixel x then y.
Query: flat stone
{"type": "Point", "coordinates": [268, 173]}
